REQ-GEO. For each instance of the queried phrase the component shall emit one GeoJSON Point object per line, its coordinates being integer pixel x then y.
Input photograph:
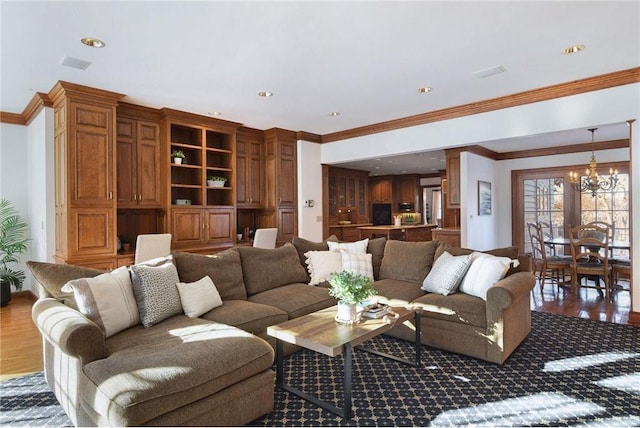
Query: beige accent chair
{"type": "Point", "coordinates": [265, 238]}
{"type": "Point", "coordinates": [152, 246]}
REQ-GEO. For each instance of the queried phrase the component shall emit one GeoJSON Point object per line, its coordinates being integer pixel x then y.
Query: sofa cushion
{"type": "Point", "coordinates": [156, 292]}
{"type": "Point", "coordinates": [264, 269]}
{"type": "Point", "coordinates": [172, 364]}
{"type": "Point", "coordinates": [248, 316]}
{"type": "Point", "coordinates": [446, 274]}
{"type": "Point", "coordinates": [485, 270]}
{"type": "Point", "coordinates": [457, 307]}
{"type": "Point", "coordinates": [357, 264]}
{"type": "Point", "coordinates": [407, 261]}
{"type": "Point", "coordinates": [224, 269]}
{"type": "Point", "coordinates": [375, 247]}
{"type": "Point", "coordinates": [396, 292]}
{"type": "Point", "coordinates": [53, 276]}
{"type": "Point", "coordinates": [107, 300]}
{"type": "Point", "coordinates": [198, 297]}
{"type": "Point", "coordinates": [321, 264]}
{"type": "Point", "coordinates": [511, 252]}
{"type": "Point", "coordinates": [304, 245]}
{"type": "Point", "coordinates": [295, 299]}
{"type": "Point", "coordinates": [359, 247]}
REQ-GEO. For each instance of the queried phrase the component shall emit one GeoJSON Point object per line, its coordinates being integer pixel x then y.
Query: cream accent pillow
{"type": "Point", "coordinates": [199, 297]}
{"type": "Point", "coordinates": [484, 272]}
{"type": "Point", "coordinates": [107, 300]}
{"type": "Point", "coordinates": [357, 264]}
{"type": "Point", "coordinates": [359, 247]}
{"type": "Point", "coordinates": [446, 274]}
{"type": "Point", "coordinates": [321, 264]}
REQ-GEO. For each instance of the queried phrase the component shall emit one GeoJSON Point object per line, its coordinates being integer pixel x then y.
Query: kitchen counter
{"type": "Point", "coordinates": [405, 232]}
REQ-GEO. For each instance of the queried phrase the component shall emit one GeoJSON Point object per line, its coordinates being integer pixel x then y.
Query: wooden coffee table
{"type": "Point", "coordinates": [321, 333]}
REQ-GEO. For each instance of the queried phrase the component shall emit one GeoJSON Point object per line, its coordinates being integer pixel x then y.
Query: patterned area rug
{"type": "Point", "coordinates": [568, 372]}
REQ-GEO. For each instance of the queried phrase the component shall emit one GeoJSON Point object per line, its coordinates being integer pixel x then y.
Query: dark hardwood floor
{"type": "Point", "coordinates": [21, 348]}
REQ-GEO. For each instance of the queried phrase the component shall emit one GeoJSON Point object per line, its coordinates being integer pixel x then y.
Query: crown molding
{"type": "Point", "coordinates": [561, 150]}
{"type": "Point", "coordinates": [595, 83]}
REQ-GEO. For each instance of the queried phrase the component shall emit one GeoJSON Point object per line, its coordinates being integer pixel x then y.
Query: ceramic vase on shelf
{"type": "Point", "coordinates": [177, 161]}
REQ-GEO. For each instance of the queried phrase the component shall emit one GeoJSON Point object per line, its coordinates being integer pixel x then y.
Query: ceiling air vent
{"type": "Point", "coordinates": [486, 72]}
{"type": "Point", "coordinates": [69, 61]}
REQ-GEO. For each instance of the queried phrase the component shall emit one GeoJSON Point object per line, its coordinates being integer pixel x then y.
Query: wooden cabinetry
{"type": "Point", "coordinates": [202, 228]}
{"type": "Point", "coordinates": [381, 189]}
{"type": "Point", "coordinates": [201, 216]}
{"type": "Point", "coordinates": [450, 236]}
{"type": "Point", "coordinates": [453, 178]}
{"type": "Point", "coordinates": [84, 165]}
{"type": "Point", "coordinates": [348, 195]}
{"type": "Point", "coordinates": [406, 190]}
{"type": "Point", "coordinates": [138, 166]}
{"type": "Point", "coordinates": [249, 168]}
{"type": "Point", "coordinates": [281, 183]}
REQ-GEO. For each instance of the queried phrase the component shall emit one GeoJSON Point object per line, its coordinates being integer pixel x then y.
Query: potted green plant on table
{"type": "Point", "coordinates": [350, 289]}
{"type": "Point", "coordinates": [216, 181]}
{"type": "Point", "coordinates": [178, 156]}
{"type": "Point", "coordinates": [13, 243]}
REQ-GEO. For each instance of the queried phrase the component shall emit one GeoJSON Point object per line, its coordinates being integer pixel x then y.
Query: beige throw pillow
{"type": "Point", "coordinates": [107, 300]}
{"type": "Point", "coordinates": [199, 297]}
{"type": "Point", "coordinates": [321, 264]}
{"type": "Point", "coordinates": [351, 247]}
{"type": "Point", "coordinates": [357, 264]}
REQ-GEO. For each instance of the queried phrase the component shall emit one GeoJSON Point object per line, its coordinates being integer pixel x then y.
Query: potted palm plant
{"type": "Point", "coordinates": [13, 243]}
{"type": "Point", "coordinates": [350, 289]}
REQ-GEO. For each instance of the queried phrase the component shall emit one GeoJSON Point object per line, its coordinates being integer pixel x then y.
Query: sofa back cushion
{"type": "Point", "coordinates": [264, 269]}
{"type": "Point", "coordinates": [304, 245]}
{"type": "Point", "coordinates": [510, 252]}
{"type": "Point", "coordinates": [376, 249]}
{"type": "Point", "coordinates": [407, 261]}
{"type": "Point", "coordinates": [53, 276]}
{"type": "Point", "coordinates": [224, 269]}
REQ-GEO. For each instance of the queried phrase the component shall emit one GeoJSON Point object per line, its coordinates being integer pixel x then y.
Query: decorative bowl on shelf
{"type": "Point", "coordinates": [344, 222]}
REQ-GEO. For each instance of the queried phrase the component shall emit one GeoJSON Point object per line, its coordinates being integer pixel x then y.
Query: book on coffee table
{"type": "Point", "coordinates": [377, 310]}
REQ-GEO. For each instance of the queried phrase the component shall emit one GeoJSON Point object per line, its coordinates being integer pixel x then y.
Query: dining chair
{"type": "Point", "coordinates": [265, 238]}
{"type": "Point", "coordinates": [549, 267]}
{"type": "Point", "coordinates": [590, 257]}
{"type": "Point", "coordinates": [151, 246]}
{"type": "Point", "coordinates": [547, 235]}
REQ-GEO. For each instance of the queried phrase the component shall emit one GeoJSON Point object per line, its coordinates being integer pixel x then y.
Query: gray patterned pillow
{"type": "Point", "coordinates": [156, 291]}
{"type": "Point", "coordinates": [446, 274]}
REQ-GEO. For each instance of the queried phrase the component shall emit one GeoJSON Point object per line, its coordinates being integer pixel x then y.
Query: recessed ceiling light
{"type": "Point", "coordinates": [573, 49]}
{"type": "Point", "coordinates": [94, 43]}
{"type": "Point", "coordinates": [334, 113]}
{"type": "Point", "coordinates": [425, 89]}
{"type": "Point", "coordinates": [377, 167]}
{"type": "Point", "coordinates": [404, 172]}
{"type": "Point", "coordinates": [214, 113]}
{"type": "Point", "coordinates": [265, 94]}
{"type": "Point", "coordinates": [377, 159]}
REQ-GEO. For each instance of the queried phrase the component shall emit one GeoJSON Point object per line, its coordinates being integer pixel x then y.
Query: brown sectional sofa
{"type": "Point", "coordinates": [217, 369]}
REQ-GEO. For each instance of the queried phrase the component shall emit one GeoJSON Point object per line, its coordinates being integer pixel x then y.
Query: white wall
{"type": "Point", "coordinates": [309, 187]}
{"type": "Point", "coordinates": [480, 232]}
{"type": "Point", "coordinates": [14, 160]}
{"type": "Point", "coordinates": [41, 186]}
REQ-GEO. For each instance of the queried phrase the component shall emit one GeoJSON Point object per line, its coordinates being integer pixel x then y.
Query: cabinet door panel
{"type": "Point", "coordinates": [220, 225]}
{"type": "Point", "coordinates": [287, 224]}
{"type": "Point", "coordinates": [148, 164]}
{"type": "Point", "coordinates": [242, 176]}
{"type": "Point", "coordinates": [91, 152]}
{"type": "Point", "coordinates": [91, 232]}
{"type": "Point", "coordinates": [126, 172]}
{"type": "Point", "coordinates": [256, 186]}
{"type": "Point", "coordinates": [187, 227]}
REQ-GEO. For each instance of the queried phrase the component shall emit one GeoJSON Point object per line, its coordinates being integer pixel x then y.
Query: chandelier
{"type": "Point", "coordinates": [592, 182]}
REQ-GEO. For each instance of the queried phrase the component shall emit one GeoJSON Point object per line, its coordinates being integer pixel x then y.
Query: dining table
{"type": "Point", "coordinates": [614, 244]}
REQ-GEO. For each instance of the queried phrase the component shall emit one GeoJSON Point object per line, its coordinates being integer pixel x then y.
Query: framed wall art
{"type": "Point", "coordinates": [484, 198]}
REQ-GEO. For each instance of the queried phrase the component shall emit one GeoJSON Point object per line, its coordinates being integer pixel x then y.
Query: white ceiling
{"type": "Point", "coordinates": [365, 60]}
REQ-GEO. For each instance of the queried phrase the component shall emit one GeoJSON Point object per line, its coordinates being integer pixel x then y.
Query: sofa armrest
{"type": "Point", "coordinates": [69, 330]}
{"type": "Point", "coordinates": [509, 289]}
